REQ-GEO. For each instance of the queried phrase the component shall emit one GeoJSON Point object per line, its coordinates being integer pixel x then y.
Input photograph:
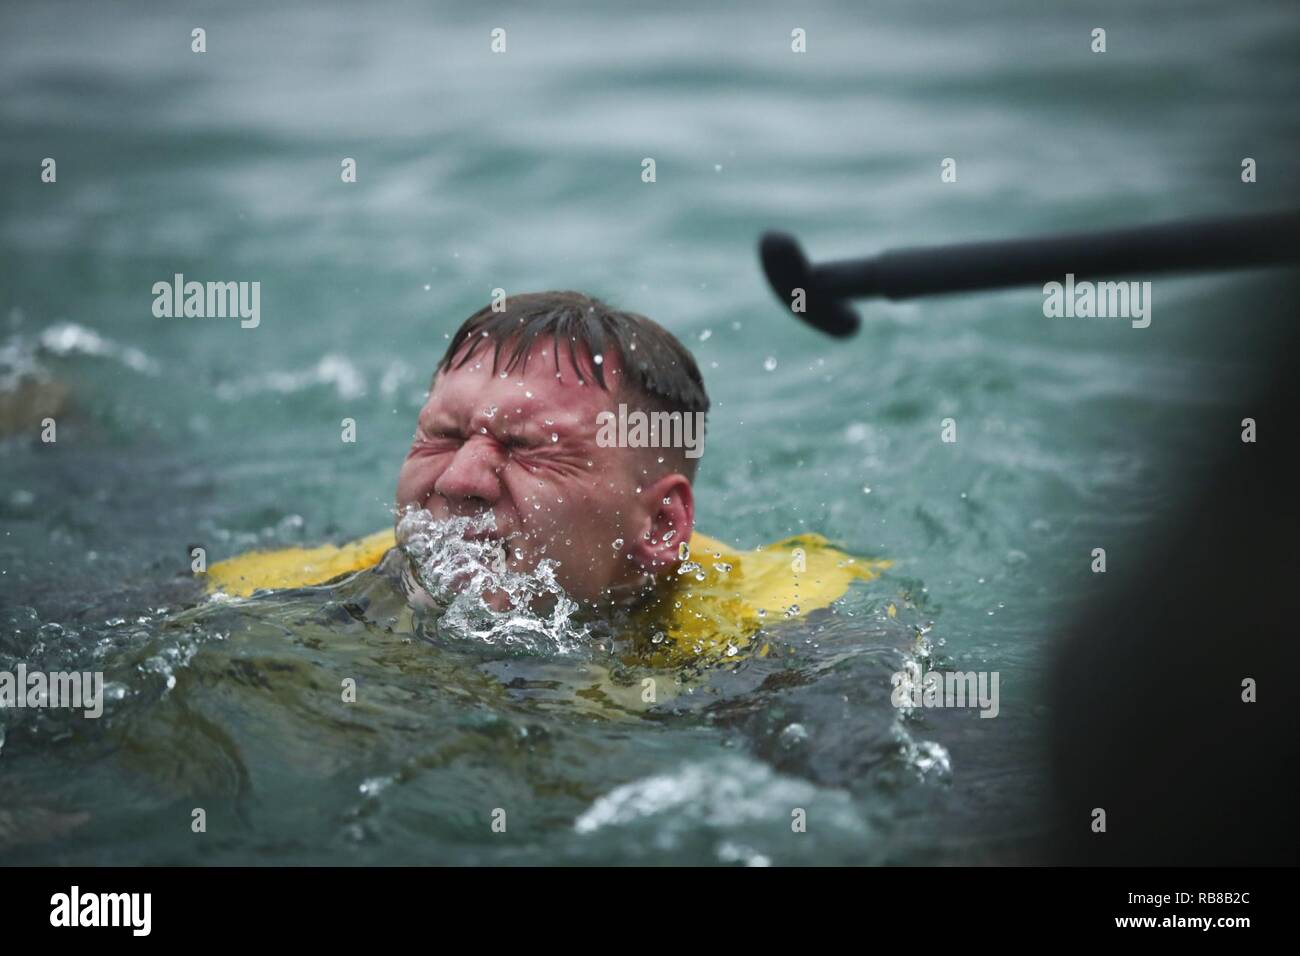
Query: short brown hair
{"type": "Point", "coordinates": [657, 367]}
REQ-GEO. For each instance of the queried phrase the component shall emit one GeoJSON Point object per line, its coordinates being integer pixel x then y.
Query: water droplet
{"type": "Point", "coordinates": [668, 536]}
{"type": "Point", "coordinates": [706, 335]}
{"type": "Point", "coordinates": [618, 544]}
{"type": "Point", "coordinates": [769, 363]}
{"type": "Point", "coordinates": [684, 551]}
{"type": "Point", "coordinates": [598, 359]}
{"type": "Point", "coordinates": [554, 437]}
{"type": "Point", "coordinates": [793, 735]}
{"type": "Point", "coordinates": [866, 489]}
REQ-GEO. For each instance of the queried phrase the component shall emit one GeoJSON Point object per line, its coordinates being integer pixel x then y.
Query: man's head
{"type": "Point", "coordinates": [513, 425]}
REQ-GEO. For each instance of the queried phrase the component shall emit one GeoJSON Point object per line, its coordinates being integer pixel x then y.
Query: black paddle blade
{"type": "Point", "coordinates": [787, 270]}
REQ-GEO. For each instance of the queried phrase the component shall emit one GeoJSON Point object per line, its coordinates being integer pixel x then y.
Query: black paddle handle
{"type": "Point", "coordinates": [1207, 244]}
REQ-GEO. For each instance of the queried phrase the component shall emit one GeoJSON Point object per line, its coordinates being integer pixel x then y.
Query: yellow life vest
{"type": "Point", "coordinates": [713, 610]}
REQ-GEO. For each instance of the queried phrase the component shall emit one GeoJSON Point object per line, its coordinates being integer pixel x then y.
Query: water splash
{"type": "Point", "coordinates": [461, 573]}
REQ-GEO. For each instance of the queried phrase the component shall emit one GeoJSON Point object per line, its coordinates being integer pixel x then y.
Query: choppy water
{"type": "Point", "coordinates": [523, 171]}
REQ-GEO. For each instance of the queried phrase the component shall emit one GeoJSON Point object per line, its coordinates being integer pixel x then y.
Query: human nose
{"type": "Point", "coordinates": [473, 476]}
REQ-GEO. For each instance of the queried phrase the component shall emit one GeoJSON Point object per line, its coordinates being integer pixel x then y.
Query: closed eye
{"type": "Point", "coordinates": [445, 437]}
{"type": "Point", "coordinates": [442, 438]}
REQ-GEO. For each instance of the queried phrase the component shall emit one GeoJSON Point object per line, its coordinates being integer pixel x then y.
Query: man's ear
{"type": "Point", "coordinates": [664, 526]}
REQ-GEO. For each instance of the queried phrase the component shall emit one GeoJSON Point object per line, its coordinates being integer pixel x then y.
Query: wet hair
{"type": "Point", "coordinates": [659, 374]}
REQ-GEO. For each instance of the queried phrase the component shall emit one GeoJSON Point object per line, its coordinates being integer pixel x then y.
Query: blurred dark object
{"type": "Point", "coordinates": [25, 402]}
{"type": "Point", "coordinates": [1149, 721]}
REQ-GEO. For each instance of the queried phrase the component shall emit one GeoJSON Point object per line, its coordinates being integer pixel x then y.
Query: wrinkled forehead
{"type": "Point", "coordinates": [562, 379]}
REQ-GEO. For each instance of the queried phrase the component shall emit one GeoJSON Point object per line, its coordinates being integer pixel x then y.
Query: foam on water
{"type": "Point", "coordinates": [20, 356]}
